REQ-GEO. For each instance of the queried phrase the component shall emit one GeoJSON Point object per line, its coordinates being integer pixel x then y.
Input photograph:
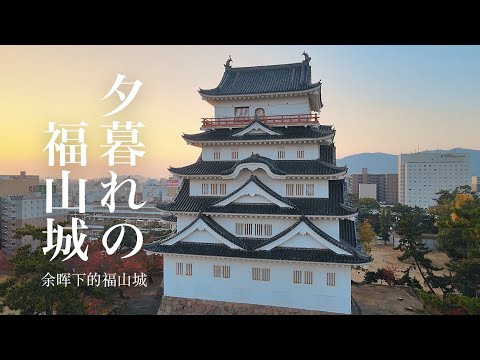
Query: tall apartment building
{"type": "Point", "coordinates": [22, 184]}
{"type": "Point", "coordinates": [19, 210]}
{"type": "Point", "coordinates": [422, 175]}
{"type": "Point", "coordinates": [476, 183]}
{"type": "Point", "coordinates": [387, 185]}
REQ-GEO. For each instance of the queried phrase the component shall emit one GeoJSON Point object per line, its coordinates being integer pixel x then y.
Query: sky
{"type": "Point", "coordinates": [389, 99]}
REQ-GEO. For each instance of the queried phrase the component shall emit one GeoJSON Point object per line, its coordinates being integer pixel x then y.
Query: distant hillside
{"type": "Point", "coordinates": [381, 163]}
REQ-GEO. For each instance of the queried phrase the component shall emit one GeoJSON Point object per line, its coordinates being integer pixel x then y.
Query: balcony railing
{"type": "Point", "coordinates": [274, 120]}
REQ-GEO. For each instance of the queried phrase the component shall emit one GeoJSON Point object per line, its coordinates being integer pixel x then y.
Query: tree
{"type": "Point", "coordinates": [366, 235]}
{"type": "Point", "coordinates": [129, 237]}
{"type": "Point", "coordinates": [25, 292]}
{"type": "Point", "coordinates": [385, 224]}
{"type": "Point", "coordinates": [410, 227]}
{"type": "Point", "coordinates": [5, 265]}
{"type": "Point", "coordinates": [458, 220]}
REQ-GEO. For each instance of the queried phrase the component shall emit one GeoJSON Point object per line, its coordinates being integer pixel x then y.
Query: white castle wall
{"type": "Point", "coordinates": [311, 151]}
{"type": "Point", "coordinates": [279, 291]}
{"type": "Point", "coordinates": [291, 105]}
{"type": "Point", "coordinates": [279, 186]}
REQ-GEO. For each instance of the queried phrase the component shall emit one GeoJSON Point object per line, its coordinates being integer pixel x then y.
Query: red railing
{"type": "Point", "coordinates": [275, 120]}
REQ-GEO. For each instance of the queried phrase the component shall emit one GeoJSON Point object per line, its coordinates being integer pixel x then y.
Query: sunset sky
{"type": "Point", "coordinates": [380, 98]}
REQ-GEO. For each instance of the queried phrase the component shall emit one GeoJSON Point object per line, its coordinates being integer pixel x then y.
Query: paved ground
{"type": "Point", "coordinates": [144, 301]}
{"type": "Point", "coordinates": [385, 300]}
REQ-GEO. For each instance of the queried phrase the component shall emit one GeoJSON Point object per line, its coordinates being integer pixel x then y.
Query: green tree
{"type": "Point", "coordinates": [458, 220]}
{"type": "Point", "coordinates": [385, 224]}
{"type": "Point", "coordinates": [410, 226]}
{"type": "Point", "coordinates": [366, 235]}
{"type": "Point", "coordinates": [25, 292]}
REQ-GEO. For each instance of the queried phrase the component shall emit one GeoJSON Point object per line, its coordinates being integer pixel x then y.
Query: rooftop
{"type": "Point", "coordinates": [269, 79]}
{"type": "Point", "coordinates": [332, 206]}
{"type": "Point", "coordinates": [278, 167]}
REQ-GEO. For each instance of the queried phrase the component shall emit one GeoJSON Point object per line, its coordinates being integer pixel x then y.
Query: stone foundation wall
{"type": "Point", "coordinates": [182, 306]}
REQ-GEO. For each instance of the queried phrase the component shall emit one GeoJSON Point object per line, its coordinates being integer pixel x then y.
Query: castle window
{"type": "Point", "coordinates": [268, 229]}
{"type": "Point", "coordinates": [234, 153]}
{"type": "Point", "coordinates": [179, 268]}
{"type": "Point", "coordinates": [330, 279]}
{"type": "Point", "coordinates": [216, 154]}
{"type": "Point", "coordinates": [241, 111]}
{"type": "Point", "coordinates": [297, 276]}
{"type": "Point", "coordinates": [308, 277]}
{"type": "Point", "coordinates": [299, 189]}
{"type": "Point", "coordinates": [223, 189]}
{"type": "Point", "coordinates": [213, 189]}
{"type": "Point", "coordinates": [300, 153]}
{"type": "Point", "coordinates": [226, 271]}
{"type": "Point", "coordinates": [289, 190]}
{"type": "Point", "coordinates": [188, 271]}
{"type": "Point", "coordinates": [281, 153]}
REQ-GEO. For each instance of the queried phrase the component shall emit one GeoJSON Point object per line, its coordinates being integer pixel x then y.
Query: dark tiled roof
{"type": "Point", "coordinates": [263, 80]}
{"type": "Point", "coordinates": [288, 133]}
{"type": "Point", "coordinates": [279, 167]}
{"type": "Point", "coordinates": [262, 186]}
{"type": "Point", "coordinates": [278, 253]}
{"type": "Point", "coordinates": [250, 245]}
{"type": "Point", "coordinates": [332, 206]}
{"type": "Point", "coordinates": [170, 218]}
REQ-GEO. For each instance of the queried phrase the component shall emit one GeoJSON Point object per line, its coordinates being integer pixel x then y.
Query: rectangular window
{"type": "Point", "coordinates": [289, 190]}
{"type": "Point", "coordinates": [179, 268]}
{"type": "Point", "coordinates": [248, 229]}
{"type": "Point", "coordinates": [217, 271]}
{"type": "Point", "coordinates": [299, 189]}
{"type": "Point", "coordinates": [213, 189]}
{"type": "Point", "coordinates": [256, 273]}
{"type": "Point", "coordinates": [265, 274]}
{"type": "Point", "coordinates": [239, 229]}
{"type": "Point", "coordinates": [308, 277]}
{"type": "Point", "coordinates": [281, 153]}
{"type": "Point", "coordinates": [226, 271]}
{"type": "Point", "coordinates": [223, 189]}
{"type": "Point", "coordinates": [300, 153]}
{"type": "Point", "coordinates": [258, 229]}
{"type": "Point", "coordinates": [330, 279]}
{"type": "Point", "coordinates": [260, 274]}
{"type": "Point", "coordinates": [204, 189]}
{"type": "Point", "coordinates": [241, 111]}
{"type": "Point", "coordinates": [310, 190]}
{"type": "Point", "coordinates": [297, 276]}
{"type": "Point", "coordinates": [234, 154]}
{"type": "Point", "coordinates": [268, 229]}
{"type": "Point", "coordinates": [188, 269]}
{"type": "Point", "coordinates": [216, 154]}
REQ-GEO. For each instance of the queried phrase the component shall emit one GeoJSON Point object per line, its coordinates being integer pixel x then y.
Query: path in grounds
{"type": "Point", "coordinates": [385, 300]}
{"type": "Point", "coordinates": [144, 301]}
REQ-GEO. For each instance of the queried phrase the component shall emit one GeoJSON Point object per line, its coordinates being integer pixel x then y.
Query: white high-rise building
{"type": "Point", "coordinates": [476, 183]}
{"type": "Point", "coordinates": [422, 175]}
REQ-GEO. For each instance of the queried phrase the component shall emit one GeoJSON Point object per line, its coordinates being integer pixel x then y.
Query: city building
{"type": "Point", "coordinates": [367, 191]}
{"type": "Point", "coordinates": [147, 218]}
{"type": "Point", "coordinates": [20, 210]}
{"type": "Point", "coordinates": [261, 216]}
{"type": "Point", "coordinates": [386, 185]}
{"type": "Point", "coordinates": [476, 183]}
{"type": "Point", "coordinates": [22, 184]}
{"type": "Point", "coordinates": [422, 175]}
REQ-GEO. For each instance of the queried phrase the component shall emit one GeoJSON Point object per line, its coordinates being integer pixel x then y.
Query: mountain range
{"type": "Point", "coordinates": [381, 163]}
